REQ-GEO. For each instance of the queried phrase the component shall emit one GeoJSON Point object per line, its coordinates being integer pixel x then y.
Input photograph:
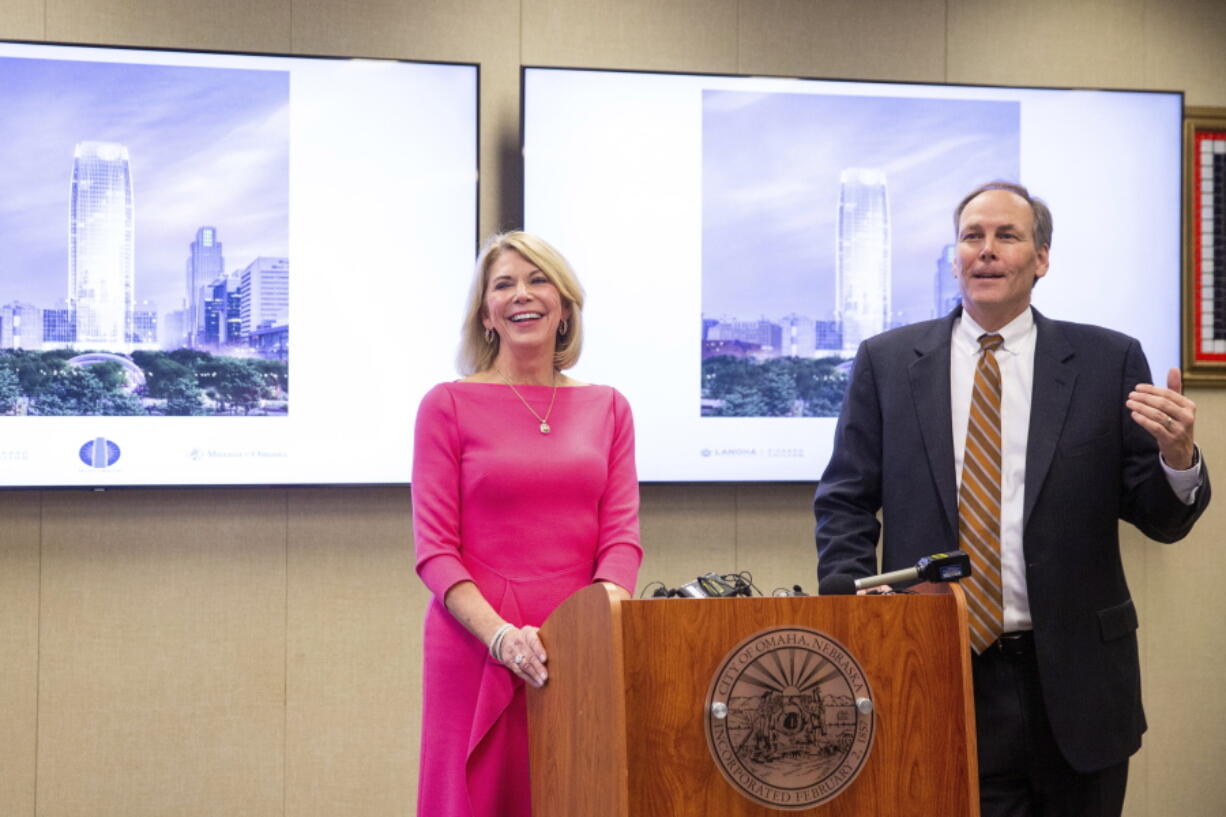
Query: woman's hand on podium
{"type": "Point", "coordinates": [522, 652]}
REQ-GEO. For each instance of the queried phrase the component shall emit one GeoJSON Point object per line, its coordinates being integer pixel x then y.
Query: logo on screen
{"type": "Point", "coordinates": [790, 718]}
{"type": "Point", "coordinates": [99, 453]}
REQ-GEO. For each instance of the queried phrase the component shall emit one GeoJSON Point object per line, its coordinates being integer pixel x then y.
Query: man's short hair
{"type": "Point", "coordinates": [1042, 214]}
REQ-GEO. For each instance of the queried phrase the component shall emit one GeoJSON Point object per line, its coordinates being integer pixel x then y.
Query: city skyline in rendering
{"type": "Point", "coordinates": [827, 220]}
{"type": "Point", "coordinates": [774, 197]}
{"type": "Point", "coordinates": [107, 189]}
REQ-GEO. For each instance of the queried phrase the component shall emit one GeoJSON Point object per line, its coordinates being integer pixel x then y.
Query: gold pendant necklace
{"type": "Point", "coordinates": [544, 421]}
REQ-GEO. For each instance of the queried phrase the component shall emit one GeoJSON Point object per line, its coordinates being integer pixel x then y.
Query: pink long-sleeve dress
{"type": "Point", "coordinates": [530, 518]}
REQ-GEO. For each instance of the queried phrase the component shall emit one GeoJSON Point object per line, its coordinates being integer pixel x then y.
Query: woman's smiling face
{"type": "Point", "coordinates": [521, 304]}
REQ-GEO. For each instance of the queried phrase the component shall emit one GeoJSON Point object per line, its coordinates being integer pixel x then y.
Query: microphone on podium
{"type": "Point", "coordinates": [939, 567]}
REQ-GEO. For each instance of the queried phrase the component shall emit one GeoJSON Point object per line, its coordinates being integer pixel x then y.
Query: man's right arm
{"type": "Point", "coordinates": [849, 494]}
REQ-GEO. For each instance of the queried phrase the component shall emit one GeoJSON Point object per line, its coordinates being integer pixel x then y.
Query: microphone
{"type": "Point", "coordinates": [939, 567]}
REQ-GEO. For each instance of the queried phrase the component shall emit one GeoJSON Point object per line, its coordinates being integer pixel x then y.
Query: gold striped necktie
{"type": "Point", "coordinates": [979, 500]}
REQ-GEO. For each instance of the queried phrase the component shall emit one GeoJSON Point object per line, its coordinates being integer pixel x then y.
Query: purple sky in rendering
{"type": "Point", "coordinates": [208, 146]}
{"type": "Point", "coordinates": [771, 165]}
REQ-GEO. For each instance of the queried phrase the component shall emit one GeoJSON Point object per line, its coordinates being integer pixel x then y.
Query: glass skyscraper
{"type": "Point", "coordinates": [945, 289]}
{"type": "Point", "coordinates": [101, 246]}
{"type": "Point", "coordinates": [222, 313]}
{"type": "Point", "coordinates": [862, 262]}
{"type": "Point", "coordinates": [204, 266]}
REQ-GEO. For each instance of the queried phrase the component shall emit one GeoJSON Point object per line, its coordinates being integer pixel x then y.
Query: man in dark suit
{"type": "Point", "coordinates": [1079, 439]}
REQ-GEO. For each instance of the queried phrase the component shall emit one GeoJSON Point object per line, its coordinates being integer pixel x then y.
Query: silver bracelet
{"type": "Point", "coordinates": [496, 641]}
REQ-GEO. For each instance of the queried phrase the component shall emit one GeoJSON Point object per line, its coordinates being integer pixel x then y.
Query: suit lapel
{"type": "Point", "coordinates": [929, 374]}
{"type": "Point", "coordinates": [1054, 379]}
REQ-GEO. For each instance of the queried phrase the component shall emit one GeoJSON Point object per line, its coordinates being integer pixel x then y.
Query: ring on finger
{"type": "Point", "coordinates": [1168, 422]}
{"type": "Point", "coordinates": [519, 659]}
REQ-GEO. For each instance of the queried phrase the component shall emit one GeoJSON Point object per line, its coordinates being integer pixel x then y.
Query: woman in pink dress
{"type": "Point", "coordinates": [524, 491]}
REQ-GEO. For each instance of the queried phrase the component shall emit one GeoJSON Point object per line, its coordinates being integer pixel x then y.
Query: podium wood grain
{"type": "Point", "coordinates": [577, 721]}
{"type": "Point", "coordinates": [619, 729]}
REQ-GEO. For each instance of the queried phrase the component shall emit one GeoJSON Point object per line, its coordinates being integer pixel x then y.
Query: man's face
{"type": "Point", "coordinates": [997, 262]}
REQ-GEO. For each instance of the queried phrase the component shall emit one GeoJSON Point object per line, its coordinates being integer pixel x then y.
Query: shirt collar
{"type": "Point", "coordinates": [967, 332]}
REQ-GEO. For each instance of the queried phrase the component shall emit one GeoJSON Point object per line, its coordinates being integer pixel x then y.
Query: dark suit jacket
{"type": "Point", "coordinates": [1088, 465]}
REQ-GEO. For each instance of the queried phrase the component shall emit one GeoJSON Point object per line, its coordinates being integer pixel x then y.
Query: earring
{"type": "Point", "coordinates": [563, 327]}
{"type": "Point", "coordinates": [489, 335]}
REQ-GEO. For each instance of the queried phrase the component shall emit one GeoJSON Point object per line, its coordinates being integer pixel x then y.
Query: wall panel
{"type": "Point", "coordinates": [20, 513]}
{"type": "Point", "coordinates": [354, 644]}
{"type": "Point", "coordinates": [1185, 746]}
{"type": "Point", "coordinates": [162, 653]}
{"type": "Point", "coordinates": [687, 530]}
{"type": "Point", "coordinates": [895, 39]}
{"type": "Point", "coordinates": [1096, 43]}
{"type": "Point", "coordinates": [21, 19]}
{"type": "Point", "coordinates": [1183, 660]}
{"type": "Point", "coordinates": [1183, 49]}
{"type": "Point", "coordinates": [458, 31]}
{"type": "Point", "coordinates": [682, 35]}
{"type": "Point", "coordinates": [774, 535]}
{"type": "Point", "coordinates": [225, 25]}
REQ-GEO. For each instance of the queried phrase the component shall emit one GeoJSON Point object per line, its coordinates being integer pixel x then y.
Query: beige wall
{"type": "Point", "coordinates": [254, 652]}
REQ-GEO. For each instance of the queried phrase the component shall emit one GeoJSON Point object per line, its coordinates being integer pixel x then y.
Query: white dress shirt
{"type": "Point", "coordinates": [1016, 360]}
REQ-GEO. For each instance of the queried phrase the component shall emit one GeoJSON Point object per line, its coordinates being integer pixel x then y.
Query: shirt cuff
{"type": "Point", "coordinates": [1184, 483]}
{"type": "Point", "coordinates": [620, 566]}
{"type": "Point", "coordinates": [441, 572]}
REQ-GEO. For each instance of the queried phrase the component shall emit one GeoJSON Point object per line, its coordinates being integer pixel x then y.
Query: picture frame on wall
{"type": "Point", "coordinates": [1204, 258]}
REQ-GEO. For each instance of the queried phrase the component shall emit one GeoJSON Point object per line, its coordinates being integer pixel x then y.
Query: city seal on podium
{"type": "Point", "coordinates": [790, 718]}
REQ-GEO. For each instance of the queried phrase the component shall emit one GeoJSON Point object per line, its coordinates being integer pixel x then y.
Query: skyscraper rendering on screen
{"type": "Point", "coordinates": [204, 266]}
{"type": "Point", "coordinates": [101, 244]}
{"type": "Point", "coordinates": [862, 263]}
{"type": "Point", "coordinates": [946, 294]}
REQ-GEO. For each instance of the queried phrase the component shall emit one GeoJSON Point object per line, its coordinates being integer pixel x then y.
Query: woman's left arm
{"type": "Point", "coordinates": [618, 552]}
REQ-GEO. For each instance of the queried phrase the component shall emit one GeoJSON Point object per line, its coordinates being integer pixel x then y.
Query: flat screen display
{"type": "Point", "coordinates": [226, 269]}
{"type": "Point", "coordinates": [738, 237]}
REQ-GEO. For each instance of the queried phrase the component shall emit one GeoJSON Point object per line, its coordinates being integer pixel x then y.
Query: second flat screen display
{"type": "Point", "coordinates": [739, 236]}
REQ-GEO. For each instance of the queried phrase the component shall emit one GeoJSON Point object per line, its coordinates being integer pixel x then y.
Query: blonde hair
{"type": "Point", "coordinates": [477, 354]}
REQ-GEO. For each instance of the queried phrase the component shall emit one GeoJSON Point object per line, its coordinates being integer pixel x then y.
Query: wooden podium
{"type": "Point", "coordinates": [621, 728]}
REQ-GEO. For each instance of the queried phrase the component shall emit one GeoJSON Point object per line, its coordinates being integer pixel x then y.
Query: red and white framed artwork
{"type": "Point", "coordinates": [1204, 258]}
